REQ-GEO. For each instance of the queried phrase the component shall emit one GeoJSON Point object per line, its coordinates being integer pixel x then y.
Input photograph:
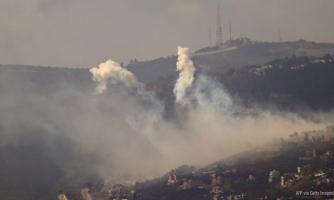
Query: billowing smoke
{"type": "Point", "coordinates": [118, 129]}
{"type": "Point", "coordinates": [186, 77]}
{"type": "Point", "coordinates": [210, 94]}
{"type": "Point", "coordinates": [205, 92]}
{"type": "Point", "coordinates": [210, 129]}
{"type": "Point", "coordinates": [112, 71]}
{"type": "Point", "coordinates": [151, 108]}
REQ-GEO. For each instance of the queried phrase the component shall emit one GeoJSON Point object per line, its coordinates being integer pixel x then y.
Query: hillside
{"type": "Point", "coordinates": [297, 84]}
{"type": "Point", "coordinates": [230, 56]}
{"type": "Point", "coordinates": [37, 162]}
{"type": "Point", "coordinates": [49, 161]}
{"type": "Point", "coordinates": [249, 175]}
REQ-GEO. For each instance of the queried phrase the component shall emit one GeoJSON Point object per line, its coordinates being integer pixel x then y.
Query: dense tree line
{"type": "Point", "coordinates": [288, 82]}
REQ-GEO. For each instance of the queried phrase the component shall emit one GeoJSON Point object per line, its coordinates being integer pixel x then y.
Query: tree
{"type": "Point", "coordinates": [230, 72]}
{"type": "Point", "coordinates": [313, 138]}
{"type": "Point", "coordinates": [306, 137]}
{"type": "Point", "coordinates": [295, 134]}
{"type": "Point", "coordinates": [327, 57]}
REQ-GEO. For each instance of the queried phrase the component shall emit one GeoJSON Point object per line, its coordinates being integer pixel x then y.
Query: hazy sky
{"type": "Point", "coordinates": [84, 33]}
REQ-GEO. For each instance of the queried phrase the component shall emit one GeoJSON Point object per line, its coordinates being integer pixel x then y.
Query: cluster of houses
{"type": "Point", "coordinates": [221, 176]}
{"type": "Point", "coordinates": [312, 154]}
{"type": "Point", "coordinates": [119, 192]}
{"type": "Point", "coordinates": [218, 177]}
{"type": "Point", "coordinates": [260, 71]}
{"type": "Point", "coordinates": [287, 179]}
{"type": "Point", "coordinates": [185, 182]}
{"type": "Point", "coordinates": [309, 155]}
{"type": "Point", "coordinates": [313, 62]}
{"type": "Point", "coordinates": [304, 172]}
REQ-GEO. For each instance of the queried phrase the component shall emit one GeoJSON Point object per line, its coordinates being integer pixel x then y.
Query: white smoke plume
{"type": "Point", "coordinates": [112, 71]}
{"type": "Point", "coordinates": [210, 94]}
{"type": "Point", "coordinates": [204, 92]}
{"type": "Point", "coordinates": [209, 130]}
{"type": "Point", "coordinates": [124, 129]}
{"type": "Point", "coordinates": [144, 108]}
{"type": "Point", "coordinates": [186, 77]}
{"type": "Point", "coordinates": [210, 126]}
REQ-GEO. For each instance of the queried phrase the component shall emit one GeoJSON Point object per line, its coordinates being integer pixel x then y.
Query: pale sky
{"type": "Point", "coordinates": [84, 33]}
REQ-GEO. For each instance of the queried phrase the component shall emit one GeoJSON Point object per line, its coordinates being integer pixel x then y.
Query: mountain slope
{"type": "Point", "coordinates": [230, 56]}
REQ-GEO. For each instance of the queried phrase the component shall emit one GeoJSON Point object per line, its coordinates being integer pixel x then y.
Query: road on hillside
{"type": "Point", "coordinates": [214, 52]}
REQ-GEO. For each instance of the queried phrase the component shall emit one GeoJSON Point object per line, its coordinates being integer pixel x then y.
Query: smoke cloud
{"type": "Point", "coordinates": [121, 127]}
{"type": "Point", "coordinates": [114, 74]}
{"type": "Point", "coordinates": [111, 70]}
{"type": "Point", "coordinates": [186, 77]}
{"type": "Point", "coordinates": [210, 129]}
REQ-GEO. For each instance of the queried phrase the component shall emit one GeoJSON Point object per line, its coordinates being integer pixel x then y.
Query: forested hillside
{"type": "Point", "coordinates": [292, 82]}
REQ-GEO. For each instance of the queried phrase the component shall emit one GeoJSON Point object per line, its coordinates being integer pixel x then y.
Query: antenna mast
{"type": "Point", "coordinates": [210, 38]}
{"type": "Point", "coordinates": [230, 33]}
{"type": "Point", "coordinates": [279, 36]}
{"type": "Point", "coordinates": [219, 32]}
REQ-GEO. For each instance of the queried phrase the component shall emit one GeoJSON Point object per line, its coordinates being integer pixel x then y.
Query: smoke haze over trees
{"type": "Point", "coordinates": [121, 132]}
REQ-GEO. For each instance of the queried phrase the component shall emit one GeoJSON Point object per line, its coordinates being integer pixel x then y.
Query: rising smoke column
{"type": "Point", "coordinates": [143, 108]}
{"type": "Point", "coordinates": [112, 72]}
{"type": "Point", "coordinates": [209, 130]}
{"type": "Point", "coordinates": [205, 92]}
{"type": "Point", "coordinates": [186, 77]}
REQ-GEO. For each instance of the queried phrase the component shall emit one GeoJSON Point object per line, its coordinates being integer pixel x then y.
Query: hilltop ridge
{"type": "Point", "coordinates": [240, 53]}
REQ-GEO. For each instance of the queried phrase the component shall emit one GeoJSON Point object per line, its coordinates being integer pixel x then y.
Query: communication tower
{"type": "Point", "coordinates": [219, 32]}
{"type": "Point", "coordinates": [210, 42]}
{"type": "Point", "coordinates": [230, 33]}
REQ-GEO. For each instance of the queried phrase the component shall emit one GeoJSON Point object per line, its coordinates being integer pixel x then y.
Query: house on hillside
{"type": "Point", "coordinates": [177, 179]}
{"type": "Point", "coordinates": [309, 155]}
{"type": "Point", "coordinates": [302, 171]}
{"type": "Point", "coordinates": [273, 175]}
{"type": "Point", "coordinates": [217, 180]}
{"type": "Point", "coordinates": [288, 179]}
{"type": "Point", "coordinates": [172, 180]}
{"type": "Point", "coordinates": [192, 184]}
{"type": "Point", "coordinates": [251, 177]}
{"type": "Point", "coordinates": [330, 129]}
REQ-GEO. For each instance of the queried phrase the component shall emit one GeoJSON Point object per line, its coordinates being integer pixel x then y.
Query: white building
{"type": "Point", "coordinates": [273, 175]}
{"type": "Point", "coordinates": [330, 129]}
